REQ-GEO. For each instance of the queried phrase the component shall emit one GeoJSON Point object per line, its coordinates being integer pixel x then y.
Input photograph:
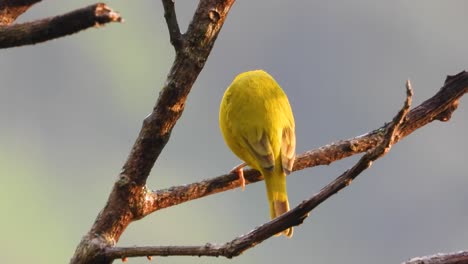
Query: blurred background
{"type": "Point", "coordinates": [70, 110]}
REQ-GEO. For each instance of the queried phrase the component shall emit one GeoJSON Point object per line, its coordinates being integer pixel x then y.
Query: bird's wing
{"type": "Point", "coordinates": [260, 149]}
{"type": "Point", "coordinates": [288, 149]}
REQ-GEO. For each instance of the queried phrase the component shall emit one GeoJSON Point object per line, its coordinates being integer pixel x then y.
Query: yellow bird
{"type": "Point", "coordinates": [257, 123]}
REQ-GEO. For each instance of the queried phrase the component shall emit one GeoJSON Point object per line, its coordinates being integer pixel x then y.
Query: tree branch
{"type": "Point", "coordinates": [292, 218]}
{"type": "Point", "coordinates": [126, 201]}
{"type": "Point", "coordinates": [172, 24]}
{"type": "Point", "coordinates": [10, 10]}
{"type": "Point", "coordinates": [55, 27]}
{"type": "Point", "coordinates": [439, 107]}
{"type": "Point", "coordinates": [460, 257]}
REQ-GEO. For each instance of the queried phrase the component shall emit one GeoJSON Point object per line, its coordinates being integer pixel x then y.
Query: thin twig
{"type": "Point", "coordinates": [460, 257]}
{"type": "Point", "coordinates": [441, 102]}
{"type": "Point", "coordinates": [10, 10]}
{"type": "Point", "coordinates": [172, 24]}
{"type": "Point", "coordinates": [55, 27]}
{"type": "Point", "coordinates": [292, 218]}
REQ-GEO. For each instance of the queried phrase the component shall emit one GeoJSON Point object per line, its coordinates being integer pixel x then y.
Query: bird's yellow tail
{"type": "Point", "coordinates": [278, 198]}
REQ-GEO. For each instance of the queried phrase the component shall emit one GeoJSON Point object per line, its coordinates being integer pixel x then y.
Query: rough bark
{"type": "Point", "coordinates": [130, 199]}
{"type": "Point", "coordinates": [439, 107]}
{"type": "Point", "coordinates": [10, 10]}
{"type": "Point", "coordinates": [54, 27]}
{"type": "Point", "coordinates": [460, 257]}
{"type": "Point", "coordinates": [126, 202]}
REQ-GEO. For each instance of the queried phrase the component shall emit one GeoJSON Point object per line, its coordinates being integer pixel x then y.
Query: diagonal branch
{"type": "Point", "coordinates": [55, 27]}
{"type": "Point", "coordinates": [10, 10]}
{"type": "Point", "coordinates": [130, 200]}
{"type": "Point", "coordinates": [292, 218]}
{"type": "Point", "coordinates": [438, 107]}
{"type": "Point", "coordinates": [441, 258]}
{"type": "Point", "coordinates": [126, 201]}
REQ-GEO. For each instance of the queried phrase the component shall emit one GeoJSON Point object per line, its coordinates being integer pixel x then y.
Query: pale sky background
{"type": "Point", "coordinates": [70, 110]}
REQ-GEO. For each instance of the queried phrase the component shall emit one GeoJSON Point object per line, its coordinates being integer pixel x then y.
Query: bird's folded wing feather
{"type": "Point", "coordinates": [288, 149]}
{"type": "Point", "coordinates": [260, 149]}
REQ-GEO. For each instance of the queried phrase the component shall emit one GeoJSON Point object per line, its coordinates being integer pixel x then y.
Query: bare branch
{"type": "Point", "coordinates": [292, 218]}
{"type": "Point", "coordinates": [55, 27]}
{"type": "Point", "coordinates": [440, 103]}
{"type": "Point", "coordinates": [131, 252]}
{"type": "Point", "coordinates": [10, 10]}
{"type": "Point", "coordinates": [389, 135]}
{"type": "Point", "coordinates": [130, 200]}
{"type": "Point", "coordinates": [172, 25]}
{"type": "Point", "coordinates": [126, 202]}
{"type": "Point", "coordinates": [460, 257]}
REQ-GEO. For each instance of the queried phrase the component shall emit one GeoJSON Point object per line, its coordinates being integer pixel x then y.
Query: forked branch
{"type": "Point", "coordinates": [131, 200]}
{"type": "Point", "coordinates": [439, 107]}
{"type": "Point", "coordinates": [292, 218]}
{"type": "Point", "coordinates": [126, 201]}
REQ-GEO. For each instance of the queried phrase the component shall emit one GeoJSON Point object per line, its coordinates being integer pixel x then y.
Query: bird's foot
{"type": "Point", "coordinates": [239, 170]}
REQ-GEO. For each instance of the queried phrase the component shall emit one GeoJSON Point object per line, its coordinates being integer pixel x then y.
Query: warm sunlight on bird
{"type": "Point", "coordinates": [257, 123]}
